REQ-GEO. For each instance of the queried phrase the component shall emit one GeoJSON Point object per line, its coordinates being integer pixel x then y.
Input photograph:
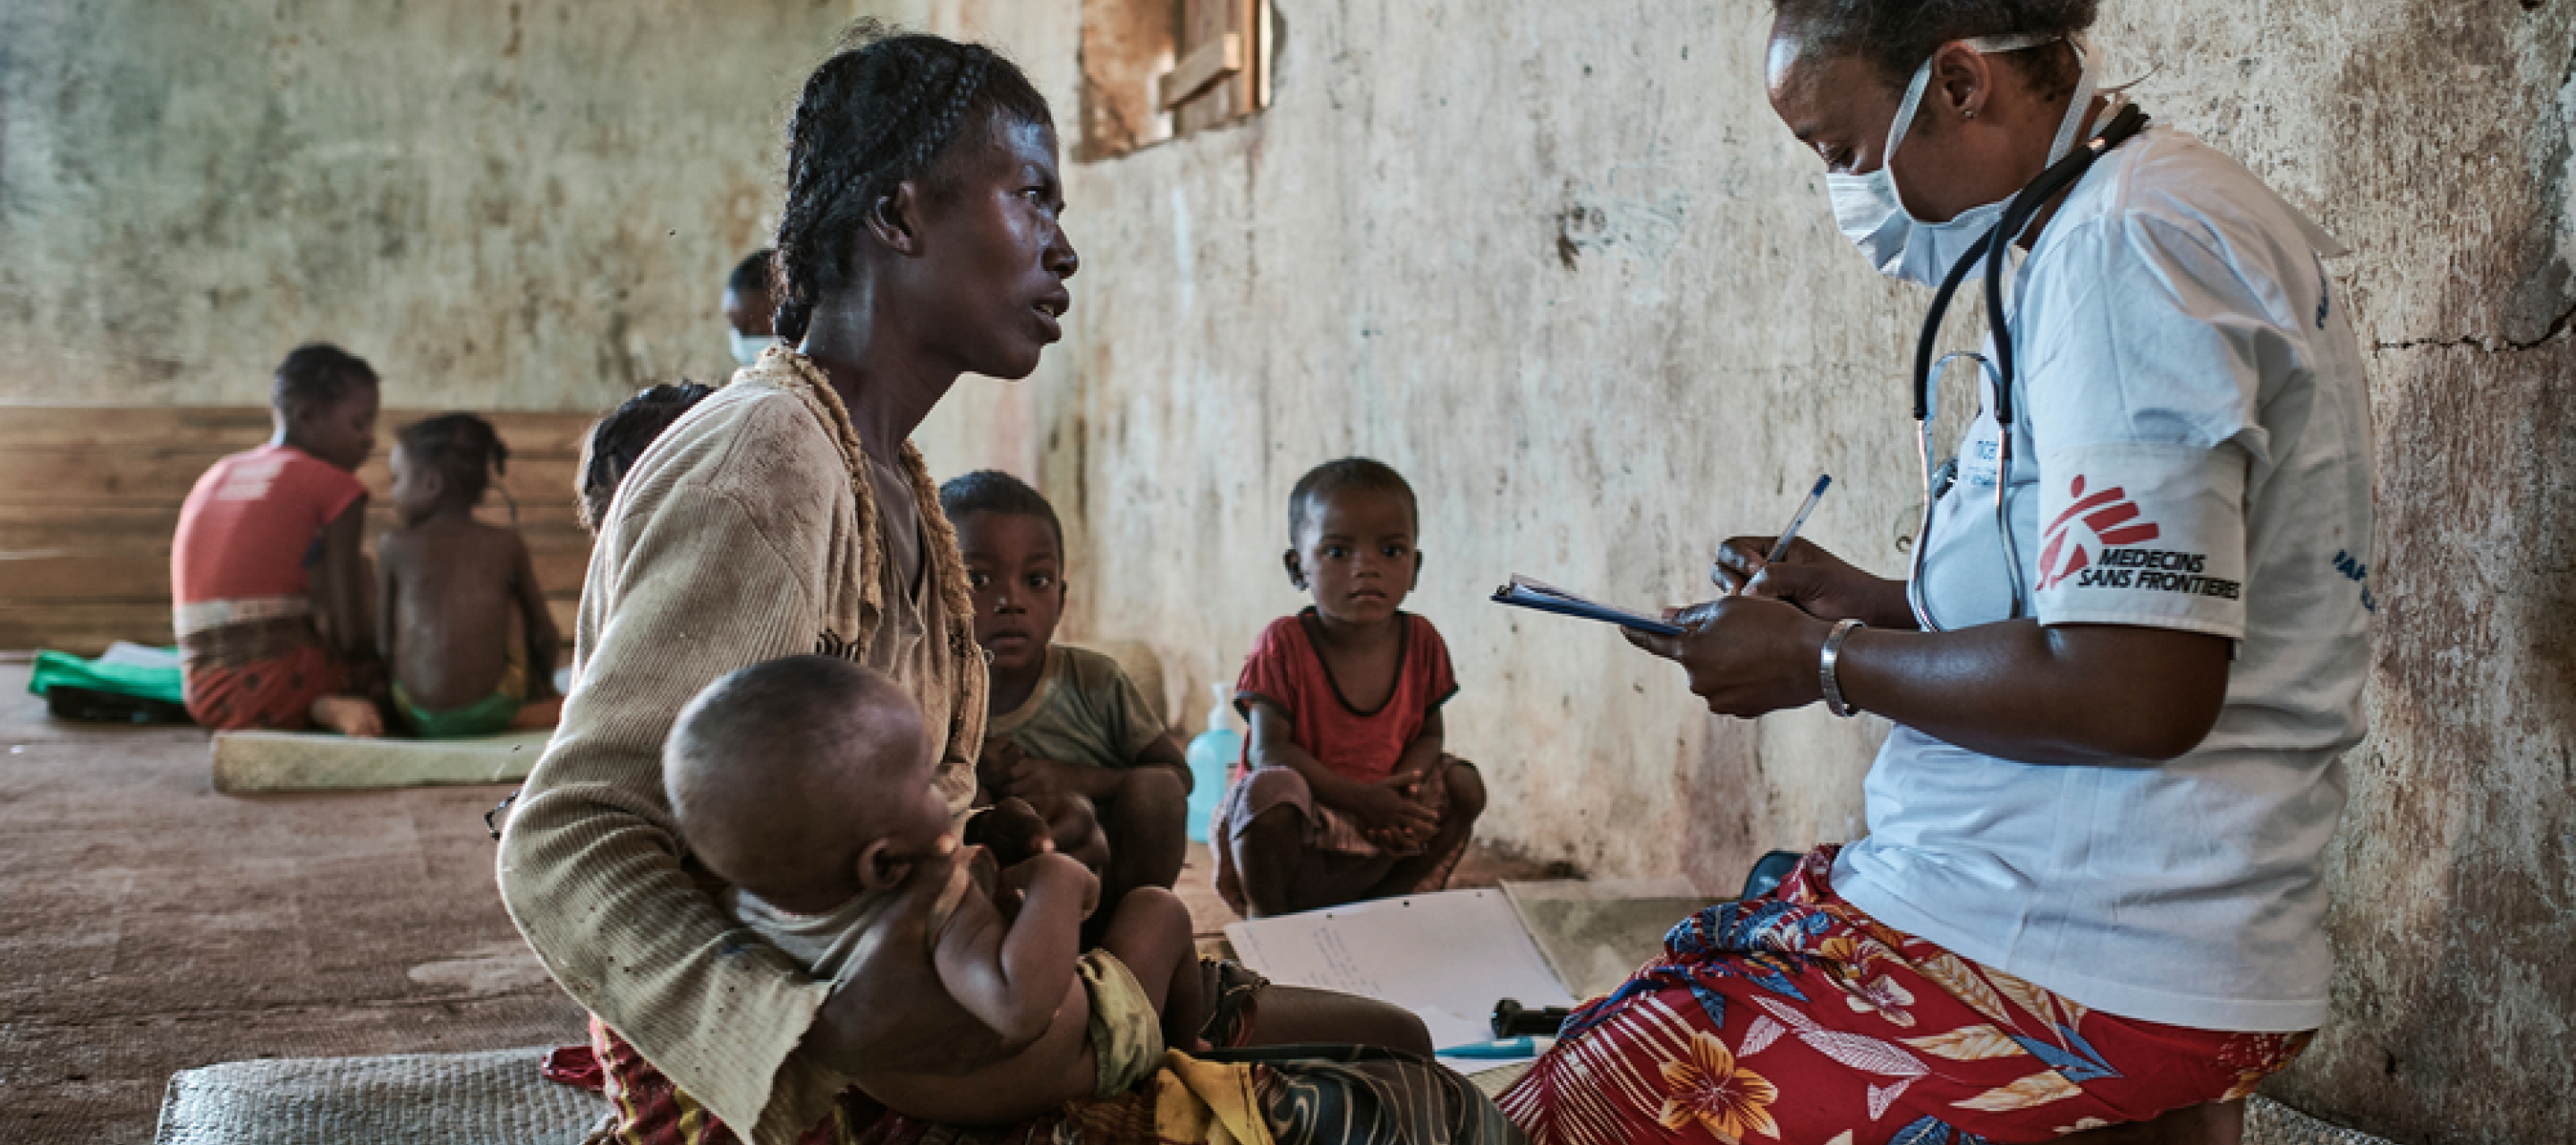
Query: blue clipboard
{"type": "Point", "coordinates": [1523, 592]}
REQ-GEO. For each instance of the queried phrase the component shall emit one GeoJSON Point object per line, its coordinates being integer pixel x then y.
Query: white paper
{"type": "Point", "coordinates": [1448, 957]}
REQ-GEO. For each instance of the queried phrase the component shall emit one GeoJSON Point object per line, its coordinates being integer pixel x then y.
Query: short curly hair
{"type": "Point", "coordinates": [1895, 36]}
{"type": "Point", "coordinates": [461, 447]}
{"type": "Point", "coordinates": [1305, 502]}
{"type": "Point", "coordinates": [318, 374]}
{"type": "Point", "coordinates": [619, 439]}
{"type": "Point", "coordinates": [993, 491]}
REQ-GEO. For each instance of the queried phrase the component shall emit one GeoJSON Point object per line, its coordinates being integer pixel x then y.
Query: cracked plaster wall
{"type": "Point", "coordinates": [1559, 265]}
{"type": "Point", "coordinates": [511, 204]}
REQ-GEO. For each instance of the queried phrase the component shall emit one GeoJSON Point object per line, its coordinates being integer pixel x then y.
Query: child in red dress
{"type": "Point", "coordinates": [1343, 792]}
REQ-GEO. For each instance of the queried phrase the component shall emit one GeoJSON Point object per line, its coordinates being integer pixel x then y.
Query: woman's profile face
{"type": "Point", "coordinates": [1841, 108]}
{"type": "Point", "coordinates": [998, 253]}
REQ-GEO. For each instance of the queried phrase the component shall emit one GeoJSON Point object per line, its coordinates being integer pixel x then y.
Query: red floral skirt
{"type": "Point", "coordinates": [1795, 1018]}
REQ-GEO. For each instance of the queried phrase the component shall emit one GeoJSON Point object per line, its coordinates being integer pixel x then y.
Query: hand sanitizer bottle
{"type": "Point", "coordinates": [1212, 755]}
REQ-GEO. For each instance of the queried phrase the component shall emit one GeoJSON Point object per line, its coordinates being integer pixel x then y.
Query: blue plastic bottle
{"type": "Point", "coordinates": [1212, 755]}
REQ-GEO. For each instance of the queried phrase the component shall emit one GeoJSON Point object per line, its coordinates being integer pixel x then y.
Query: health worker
{"type": "Point", "coordinates": [2092, 892]}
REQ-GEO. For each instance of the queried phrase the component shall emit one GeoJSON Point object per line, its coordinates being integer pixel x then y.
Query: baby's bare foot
{"type": "Point", "coordinates": [348, 715]}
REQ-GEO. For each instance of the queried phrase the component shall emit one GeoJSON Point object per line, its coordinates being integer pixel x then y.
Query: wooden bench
{"type": "Point", "coordinates": [89, 499]}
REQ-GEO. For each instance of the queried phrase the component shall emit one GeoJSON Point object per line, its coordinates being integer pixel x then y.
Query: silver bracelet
{"type": "Point", "coordinates": [1825, 668]}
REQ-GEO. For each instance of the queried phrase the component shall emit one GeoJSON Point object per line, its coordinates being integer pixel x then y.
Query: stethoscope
{"type": "Point", "coordinates": [1999, 372]}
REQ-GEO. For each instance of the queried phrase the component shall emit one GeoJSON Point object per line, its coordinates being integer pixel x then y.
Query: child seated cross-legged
{"type": "Point", "coordinates": [805, 783]}
{"type": "Point", "coordinates": [1066, 723]}
{"type": "Point", "coordinates": [1343, 792]}
{"type": "Point", "coordinates": [464, 622]}
{"type": "Point", "coordinates": [267, 578]}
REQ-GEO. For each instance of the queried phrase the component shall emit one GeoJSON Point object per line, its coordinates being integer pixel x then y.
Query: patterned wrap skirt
{"type": "Point", "coordinates": [1795, 1018]}
{"type": "Point", "coordinates": [1278, 1095]}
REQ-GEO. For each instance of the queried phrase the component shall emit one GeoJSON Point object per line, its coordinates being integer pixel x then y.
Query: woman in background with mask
{"type": "Point", "coordinates": [748, 307]}
{"type": "Point", "coordinates": [2092, 893]}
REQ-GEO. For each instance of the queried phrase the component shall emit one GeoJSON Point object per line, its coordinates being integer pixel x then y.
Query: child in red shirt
{"type": "Point", "coordinates": [1343, 792]}
{"type": "Point", "coordinates": [267, 581]}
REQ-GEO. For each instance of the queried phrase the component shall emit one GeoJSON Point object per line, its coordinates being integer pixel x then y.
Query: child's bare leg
{"type": "Point", "coordinates": [1152, 933]}
{"type": "Point", "coordinates": [1147, 821]}
{"type": "Point", "coordinates": [1266, 855]}
{"type": "Point", "coordinates": [537, 714]}
{"type": "Point", "coordinates": [1297, 1015]}
{"type": "Point", "coordinates": [1457, 823]}
{"type": "Point", "coordinates": [352, 716]}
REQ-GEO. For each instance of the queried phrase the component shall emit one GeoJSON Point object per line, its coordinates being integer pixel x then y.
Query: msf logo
{"type": "Point", "coordinates": [2108, 514]}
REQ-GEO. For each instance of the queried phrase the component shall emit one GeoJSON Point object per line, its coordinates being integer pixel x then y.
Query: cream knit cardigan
{"type": "Point", "coordinates": [747, 532]}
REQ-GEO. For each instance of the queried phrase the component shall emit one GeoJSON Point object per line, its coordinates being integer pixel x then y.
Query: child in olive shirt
{"type": "Point", "coordinates": [1066, 727]}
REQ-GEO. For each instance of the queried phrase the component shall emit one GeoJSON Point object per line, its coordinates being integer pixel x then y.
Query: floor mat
{"type": "Point", "coordinates": [2268, 1122]}
{"type": "Point", "coordinates": [489, 1098]}
{"type": "Point", "coordinates": [305, 761]}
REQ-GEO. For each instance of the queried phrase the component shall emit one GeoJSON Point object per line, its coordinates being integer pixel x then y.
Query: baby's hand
{"type": "Point", "coordinates": [1052, 873]}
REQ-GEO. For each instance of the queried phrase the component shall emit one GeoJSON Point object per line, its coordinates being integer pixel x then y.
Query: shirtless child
{"type": "Point", "coordinates": [462, 619]}
{"type": "Point", "coordinates": [805, 783]}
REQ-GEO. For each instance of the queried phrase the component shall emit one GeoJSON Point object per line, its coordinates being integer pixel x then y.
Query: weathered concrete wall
{"type": "Point", "coordinates": [501, 203]}
{"type": "Point", "coordinates": [1558, 264]}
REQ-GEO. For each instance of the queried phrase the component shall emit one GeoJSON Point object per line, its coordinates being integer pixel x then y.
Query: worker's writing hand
{"type": "Point", "coordinates": [1821, 584]}
{"type": "Point", "coordinates": [1744, 655]}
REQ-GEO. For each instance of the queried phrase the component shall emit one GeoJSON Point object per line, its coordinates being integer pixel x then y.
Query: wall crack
{"type": "Point", "coordinates": [2557, 330]}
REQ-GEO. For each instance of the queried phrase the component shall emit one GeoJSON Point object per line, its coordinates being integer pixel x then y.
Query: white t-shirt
{"type": "Point", "coordinates": [2191, 451]}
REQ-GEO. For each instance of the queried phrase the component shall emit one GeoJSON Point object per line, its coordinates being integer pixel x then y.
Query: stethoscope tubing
{"type": "Point", "coordinates": [1991, 250]}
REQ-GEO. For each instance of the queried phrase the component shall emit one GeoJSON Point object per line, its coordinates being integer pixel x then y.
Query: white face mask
{"type": "Point", "coordinates": [1872, 215]}
{"type": "Point", "coordinates": [747, 347]}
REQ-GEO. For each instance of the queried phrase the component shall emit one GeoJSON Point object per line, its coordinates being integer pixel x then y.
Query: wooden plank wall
{"type": "Point", "coordinates": [89, 499]}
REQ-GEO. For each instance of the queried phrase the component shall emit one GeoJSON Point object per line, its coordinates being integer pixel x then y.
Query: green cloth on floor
{"type": "Point", "coordinates": [60, 669]}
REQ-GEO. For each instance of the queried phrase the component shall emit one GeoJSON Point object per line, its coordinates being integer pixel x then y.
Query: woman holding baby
{"type": "Point", "coordinates": [788, 514]}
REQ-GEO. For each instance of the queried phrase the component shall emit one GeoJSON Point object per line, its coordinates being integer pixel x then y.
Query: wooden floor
{"type": "Point", "coordinates": [89, 499]}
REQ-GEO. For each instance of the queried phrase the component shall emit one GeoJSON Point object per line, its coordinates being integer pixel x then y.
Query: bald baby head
{"type": "Point", "coordinates": [804, 781]}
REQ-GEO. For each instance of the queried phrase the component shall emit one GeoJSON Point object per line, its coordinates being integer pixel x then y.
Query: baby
{"type": "Point", "coordinates": [1343, 792]}
{"type": "Point", "coordinates": [461, 616]}
{"type": "Point", "coordinates": [1065, 722]}
{"type": "Point", "coordinates": [805, 783]}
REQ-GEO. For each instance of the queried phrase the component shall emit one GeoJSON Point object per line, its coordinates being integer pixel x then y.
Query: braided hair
{"type": "Point", "coordinates": [460, 447]}
{"type": "Point", "coordinates": [884, 109]}
{"type": "Point", "coordinates": [620, 438]}
{"type": "Point", "coordinates": [1895, 36]}
{"type": "Point", "coordinates": [316, 375]}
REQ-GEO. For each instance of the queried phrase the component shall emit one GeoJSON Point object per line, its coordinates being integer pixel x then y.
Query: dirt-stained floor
{"type": "Point", "coordinates": [149, 925]}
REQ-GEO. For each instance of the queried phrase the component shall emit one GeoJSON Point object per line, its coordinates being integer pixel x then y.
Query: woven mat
{"type": "Point", "coordinates": [496, 1098]}
{"type": "Point", "coordinates": [2268, 1122]}
{"type": "Point", "coordinates": [489, 1098]}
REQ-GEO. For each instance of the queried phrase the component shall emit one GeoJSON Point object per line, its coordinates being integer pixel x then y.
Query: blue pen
{"type": "Point", "coordinates": [1780, 548]}
{"type": "Point", "coordinates": [1523, 1047]}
